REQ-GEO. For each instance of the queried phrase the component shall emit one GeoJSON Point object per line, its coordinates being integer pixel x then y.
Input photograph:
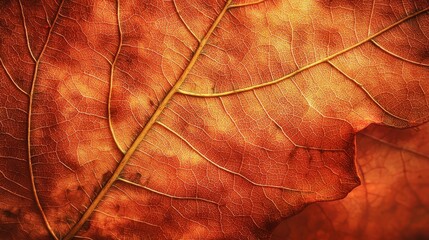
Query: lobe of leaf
{"type": "Point", "coordinates": [194, 119]}
{"type": "Point", "coordinates": [394, 171]}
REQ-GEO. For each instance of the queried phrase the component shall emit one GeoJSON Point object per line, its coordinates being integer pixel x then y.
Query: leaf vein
{"type": "Point", "coordinates": [249, 88]}
{"type": "Point", "coordinates": [228, 170]}
{"type": "Point", "coordinates": [112, 72]}
{"type": "Point", "coordinates": [146, 129]}
{"type": "Point", "coordinates": [397, 56]}
{"type": "Point", "coordinates": [29, 119]}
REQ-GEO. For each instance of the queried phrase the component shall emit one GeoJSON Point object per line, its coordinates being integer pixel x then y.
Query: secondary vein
{"type": "Point", "coordinates": [146, 129]}
{"type": "Point", "coordinates": [249, 88]}
{"type": "Point", "coordinates": [112, 72]}
{"type": "Point", "coordinates": [30, 106]}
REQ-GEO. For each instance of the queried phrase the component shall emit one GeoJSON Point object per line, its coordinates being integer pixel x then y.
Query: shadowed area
{"type": "Point", "coordinates": [391, 203]}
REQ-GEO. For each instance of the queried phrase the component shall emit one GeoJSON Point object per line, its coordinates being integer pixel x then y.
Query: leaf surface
{"type": "Point", "coordinates": [392, 201]}
{"type": "Point", "coordinates": [194, 119]}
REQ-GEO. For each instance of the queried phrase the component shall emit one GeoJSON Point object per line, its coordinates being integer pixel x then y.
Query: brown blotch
{"type": "Point", "coordinates": [169, 219]}
{"type": "Point", "coordinates": [269, 225]}
{"type": "Point", "coordinates": [293, 154]}
{"type": "Point", "coordinates": [128, 60]}
{"type": "Point", "coordinates": [11, 213]}
{"type": "Point", "coordinates": [136, 178]}
{"type": "Point", "coordinates": [114, 110]}
{"type": "Point", "coordinates": [86, 226]}
{"type": "Point", "coordinates": [105, 178]}
{"type": "Point", "coordinates": [423, 56]}
{"type": "Point", "coordinates": [117, 208]}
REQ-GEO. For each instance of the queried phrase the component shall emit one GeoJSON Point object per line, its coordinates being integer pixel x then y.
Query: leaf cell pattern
{"type": "Point", "coordinates": [195, 119]}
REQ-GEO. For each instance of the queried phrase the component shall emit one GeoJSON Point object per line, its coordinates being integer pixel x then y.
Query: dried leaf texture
{"type": "Point", "coordinates": [391, 203]}
{"type": "Point", "coordinates": [194, 119]}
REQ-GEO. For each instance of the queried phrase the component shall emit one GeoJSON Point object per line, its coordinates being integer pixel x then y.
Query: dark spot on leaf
{"type": "Point", "coordinates": [105, 178]}
{"type": "Point", "coordinates": [261, 232]}
{"type": "Point", "coordinates": [128, 60]}
{"type": "Point", "coordinates": [117, 208]}
{"type": "Point", "coordinates": [423, 56]}
{"type": "Point", "coordinates": [136, 178]}
{"type": "Point", "coordinates": [169, 219]}
{"type": "Point", "coordinates": [270, 225]}
{"type": "Point", "coordinates": [11, 214]}
{"type": "Point", "coordinates": [293, 153]}
{"type": "Point", "coordinates": [86, 226]}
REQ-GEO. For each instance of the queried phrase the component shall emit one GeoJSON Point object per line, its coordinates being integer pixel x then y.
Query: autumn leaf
{"type": "Point", "coordinates": [194, 119]}
{"type": "Point", "coordinates": [391, 203]}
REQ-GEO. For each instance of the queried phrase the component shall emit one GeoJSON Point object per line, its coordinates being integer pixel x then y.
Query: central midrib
{"type": "Point", "coordinates": [146, 129]}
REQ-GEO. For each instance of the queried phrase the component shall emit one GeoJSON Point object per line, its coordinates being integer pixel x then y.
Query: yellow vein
{"type": "Point", "coordinates": [397, 56]}
{"type": "Point", "coordinates": [228, 170]}
{"type": "Point", "coordinates": [14, 193]}
{"type": "Point", "coordinates": [123, 217]}
{"type": "Point", "coordinates": [15, 183]}
{"type": "Point", "coordinates": [27, 39]}
{"type": "Point", "coordinates": [245, 4]}
{"type": "Point", "coordinates": [184, 23]}
{"type": "Point", "coordinates": [370, 17]}
{"type": "Point", "coordinates": [112, 71]}
{"type": "Point", "coordinates": [287, 136]}
{"type": "Point", "coordinates": [30, 106]}
{"type": "Point", "coordinates": [366, 91]}
{"type": "Point", "coordinates": [11, 79]}
{"type": "Point", "coordinates": [166, 194]}
{"type": "Point", "coordinates": [146, 129]}
{"type": "Point", "coordinates": [245, 89]}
